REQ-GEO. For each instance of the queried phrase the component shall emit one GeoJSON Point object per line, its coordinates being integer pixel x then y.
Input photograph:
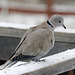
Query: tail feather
{"type": "Point", "coordinates": [15, 59]}
{"type": "Point", "coordinates": [11, 64]}
{"type": "Point", "coordinates": [7, 64]}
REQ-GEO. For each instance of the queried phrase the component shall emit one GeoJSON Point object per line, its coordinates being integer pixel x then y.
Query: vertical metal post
{"type": "Point", "coordinates": [49, 7]}
{"type": "Point", "coordinates": [4, 9]}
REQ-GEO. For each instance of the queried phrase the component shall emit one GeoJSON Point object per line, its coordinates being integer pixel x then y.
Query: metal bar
{"type": "Point", "coordinates": [25, 11]}
{"type": "Point", "coordinates": [49, 9]}
{"type": "Point", "coordinates": [64, 13]}
{"type": "Point", "coordinates": [39, 12]}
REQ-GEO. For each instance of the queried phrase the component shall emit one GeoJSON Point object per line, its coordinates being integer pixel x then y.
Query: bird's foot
{"type": "Point", "coordinates": [39, 60]}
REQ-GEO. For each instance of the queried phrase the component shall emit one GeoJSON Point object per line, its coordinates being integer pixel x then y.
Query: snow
{"type": "Point", "coordinates": [18, 26]}
{"type": "Point", "coordinates": [33, 19]}
{"type": "Point", "coordinates": [23, 67]}
{"type": "Point", "coordinates": [25, 26]}
{"type": "Point", "coordinates": [68, 30]}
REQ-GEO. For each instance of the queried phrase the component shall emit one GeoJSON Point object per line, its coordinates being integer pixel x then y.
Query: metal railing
{"type": "Point", "coordinates": [49, 11]}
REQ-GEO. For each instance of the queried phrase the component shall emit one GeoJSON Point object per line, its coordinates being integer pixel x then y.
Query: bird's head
{"type": "Point", "coordinates": [55, 21]}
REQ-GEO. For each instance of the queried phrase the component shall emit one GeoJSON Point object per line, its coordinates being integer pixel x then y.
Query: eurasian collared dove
{"type": "Point", "coordinates": [36, 42]}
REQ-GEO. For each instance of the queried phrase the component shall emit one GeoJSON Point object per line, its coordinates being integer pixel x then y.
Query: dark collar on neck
{"type": "Point", "coordinates": [49, 23]}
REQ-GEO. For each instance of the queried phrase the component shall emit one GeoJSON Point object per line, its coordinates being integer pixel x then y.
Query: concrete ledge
{"type": "Point", "coordinates": [65, 37]}
{"type": "Point", "coordinates": [52, 65]}
{"type": "Point", "coordinates": [11, 32]}
{"type": "Point", "coordinates": [18, 33]}
{"type": "Point", "coordinates": [17, 30]}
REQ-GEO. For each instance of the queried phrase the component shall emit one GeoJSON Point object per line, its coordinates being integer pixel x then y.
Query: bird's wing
{"type": "Point", "coordinates": [38, 43]}
{"type": "Point", "coordinates": [29, 31]}
{"type": "Point", "coordinates": [15, 58]}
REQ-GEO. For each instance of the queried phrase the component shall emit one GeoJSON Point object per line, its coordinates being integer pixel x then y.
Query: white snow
{"type": "Point", "coordinates": [18, 26]}
{"type": "Point", "coordinates": [23, 67]}
{"type": "Point", "coordinates": [25, 26]}
{"type": "Point", "coordinates": [68, 30]}
{"type": "Point", "coordinates": [33, 19]}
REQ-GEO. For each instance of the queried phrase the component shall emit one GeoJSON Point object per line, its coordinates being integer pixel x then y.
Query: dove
{"type": "Point", "coordinates": [36, 42]}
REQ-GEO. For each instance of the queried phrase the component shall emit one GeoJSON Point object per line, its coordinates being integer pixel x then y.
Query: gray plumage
{"type": "Point", "coordinates": [36, 42]}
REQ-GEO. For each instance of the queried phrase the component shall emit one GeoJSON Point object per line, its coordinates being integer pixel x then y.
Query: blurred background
{"type": "Point", "coordinates": [36, 11]}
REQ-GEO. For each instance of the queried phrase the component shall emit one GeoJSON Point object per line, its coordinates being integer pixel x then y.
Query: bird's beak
{"type": "Point", "coordinates": [64, 26]}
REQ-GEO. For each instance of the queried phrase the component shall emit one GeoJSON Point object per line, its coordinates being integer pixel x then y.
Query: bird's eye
{"type": "Point", "coordinates": [59, 21]}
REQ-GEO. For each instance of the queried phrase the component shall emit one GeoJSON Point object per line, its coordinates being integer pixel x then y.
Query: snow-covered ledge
{"type": "Point", "coordinates": [52, 65]}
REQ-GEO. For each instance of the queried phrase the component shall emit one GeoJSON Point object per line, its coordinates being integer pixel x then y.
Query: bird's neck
{"type": "Point", "coordinates": [48, 27]}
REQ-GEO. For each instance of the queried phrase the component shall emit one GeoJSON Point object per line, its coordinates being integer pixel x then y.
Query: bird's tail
{"type": "Point", "coordinates": [14, 59]}
{"type": "Point", "coordinates": [7, 64]}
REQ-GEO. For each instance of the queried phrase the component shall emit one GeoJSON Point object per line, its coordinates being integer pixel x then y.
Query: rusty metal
{"type": "Point", "coordinates": [71, 72]}
{"type": "Point", "coordinates": [48, 10]}
{"type": "Point", "coordinates": [49, 4]}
